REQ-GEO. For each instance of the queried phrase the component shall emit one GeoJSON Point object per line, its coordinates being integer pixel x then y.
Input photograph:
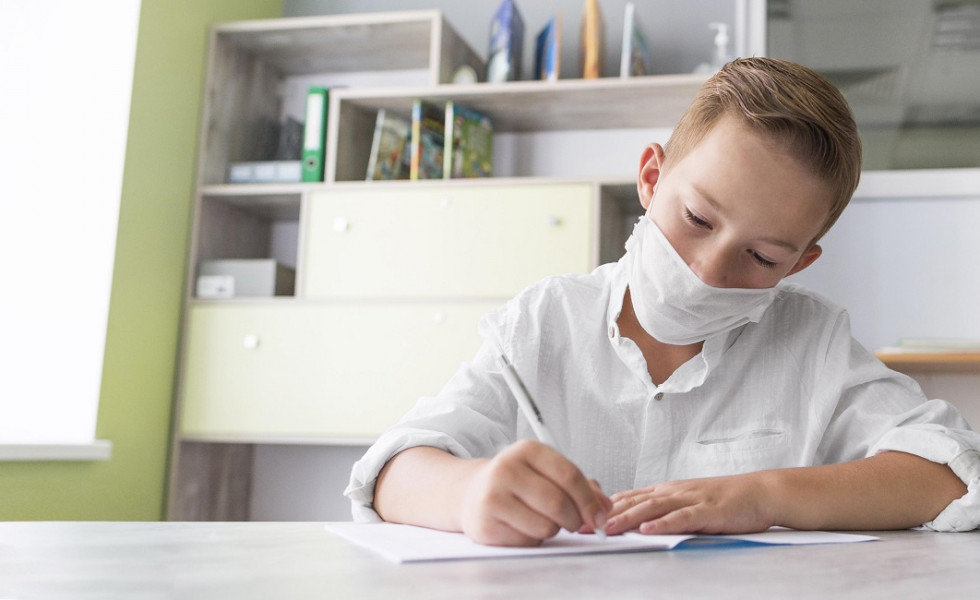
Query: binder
{"type": "Point", "coordinates": [314, 134]}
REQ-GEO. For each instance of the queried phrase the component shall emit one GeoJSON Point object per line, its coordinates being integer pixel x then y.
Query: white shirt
{"type": "Point", "coordinates": [792, 390]}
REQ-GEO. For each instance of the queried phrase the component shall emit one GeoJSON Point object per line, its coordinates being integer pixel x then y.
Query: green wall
{"type": "Point", "coordinates": [147, 288]}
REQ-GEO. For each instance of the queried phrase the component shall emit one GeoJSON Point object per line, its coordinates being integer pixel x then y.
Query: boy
{"type": "Point", "coordinates": [686, 378]}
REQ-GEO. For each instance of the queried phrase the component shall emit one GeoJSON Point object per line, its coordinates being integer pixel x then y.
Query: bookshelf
{"type": "Point", "coordinates": [379, 266]}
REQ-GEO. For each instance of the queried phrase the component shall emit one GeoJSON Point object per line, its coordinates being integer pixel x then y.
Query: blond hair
{"type": "Point", "coordinates": [790, 104]}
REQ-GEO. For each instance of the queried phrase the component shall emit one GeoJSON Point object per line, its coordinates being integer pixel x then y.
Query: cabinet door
{"type": "Point", "coordinates": [486, 241]}
{"type": "Point", "coordinates": [340, 370]}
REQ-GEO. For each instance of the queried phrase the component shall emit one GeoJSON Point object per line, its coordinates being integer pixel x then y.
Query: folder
{"type": "Point", "coordinates": [314, 134]}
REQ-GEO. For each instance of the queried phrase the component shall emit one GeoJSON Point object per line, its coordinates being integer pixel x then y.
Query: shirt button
{"type": "Point", "coordinates": [612, 331]}
{"type": "Point", "coordinates": [659, 396]}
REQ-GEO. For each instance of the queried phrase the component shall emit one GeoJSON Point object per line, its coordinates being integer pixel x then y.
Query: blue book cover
{"type": "Point", "coordinates": [547, 56]}
{"type": "Point", "coordinates": [506, 44]}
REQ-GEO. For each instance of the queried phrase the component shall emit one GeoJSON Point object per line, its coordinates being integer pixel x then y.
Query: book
{"type": "Point", "coordinates": [506, 44]}
{"type": "Point", "coordinates": [593, 39]}
{"type": "Point", "coordinates": [408, 543]}
{"type": "Point", "coordinates": [469, 143]}
{"type": "Point", "coordinates": [388, 145]}
{"type": "Point", "coordinates": [547, 55]}
{"type": "Point", "coordinates": [428, 140]}
{"type": "Point", "coordinates": [635, 60]}
{"type": "Point", "coordinates": [314, 134]}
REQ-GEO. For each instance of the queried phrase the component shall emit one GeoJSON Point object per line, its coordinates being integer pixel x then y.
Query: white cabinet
{"type": "Point", "coordinates": [486, 241]}
{"type": "Point", "coordinates": [342, 371]}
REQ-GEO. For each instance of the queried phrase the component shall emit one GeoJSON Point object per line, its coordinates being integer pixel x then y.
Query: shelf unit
{"type": "Point", "coordinates": [379, 265]}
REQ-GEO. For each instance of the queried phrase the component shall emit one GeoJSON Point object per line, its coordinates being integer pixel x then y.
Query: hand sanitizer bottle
{"type": "Point", "coordinates": [720, 55]}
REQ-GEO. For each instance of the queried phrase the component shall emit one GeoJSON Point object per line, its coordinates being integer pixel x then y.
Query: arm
{"type": "Point", "coordinates": [520, 497]}
{"type": "Point", "coordinates": [892, 490]}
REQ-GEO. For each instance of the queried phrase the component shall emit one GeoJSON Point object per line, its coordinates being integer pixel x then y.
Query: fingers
{"type": "Point", "coordinates": [527, 494]}
{"type": "Point", "coordinates": [518, 525]}
{"type": "Point", "coordinates": [590, 505]}
{"type": "Point", "coordinates": [631, 511]}
{"type": "Point", "coordinates": [732, 504]}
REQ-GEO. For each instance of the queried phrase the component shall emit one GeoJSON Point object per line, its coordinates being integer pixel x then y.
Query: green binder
{"type": "Point", "coordinates": [314, 134]}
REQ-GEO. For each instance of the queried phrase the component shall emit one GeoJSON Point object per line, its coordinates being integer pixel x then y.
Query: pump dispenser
{"type": "Point", "coordinates": [720, 54]}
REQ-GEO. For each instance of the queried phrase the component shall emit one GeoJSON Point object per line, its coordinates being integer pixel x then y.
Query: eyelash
{"type": "Point", "coordinates": [696, 220]}
{"type": "Point", "coordinates": [702, 224]}
{"type": "Point", "coordinates": [764, 263]}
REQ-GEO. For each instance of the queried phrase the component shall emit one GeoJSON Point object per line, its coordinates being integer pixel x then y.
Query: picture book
{"type": "Point", "coordinates": [506, 44]}
{"type": "Point", "coordinates": [593, 38]}
{"type": "Point", "coordinates": [469, 143]}
{"type": "Point", "coordinates": [635, 60]}
{"type": "Point", "coordinates": [428, 140]}
{"type": "Point", "coordinates": [547, 55]}
{"type": "Point", "coordinates": [391, 134]}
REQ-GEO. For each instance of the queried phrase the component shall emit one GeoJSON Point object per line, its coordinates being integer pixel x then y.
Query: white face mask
{"type": "Point", "coordinates": [672, 303]}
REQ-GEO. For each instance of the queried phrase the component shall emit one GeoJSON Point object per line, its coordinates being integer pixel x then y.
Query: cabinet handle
{"type": "Point", "coordinates": [250, 341]}
{"type": "Point", "coordinates": [341, 225]}
{"type": "Point", "coordinates": [554, 221]}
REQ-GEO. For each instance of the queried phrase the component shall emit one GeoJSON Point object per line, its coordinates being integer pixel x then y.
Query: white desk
{"type": "Point", "coordinates": [301, 560]}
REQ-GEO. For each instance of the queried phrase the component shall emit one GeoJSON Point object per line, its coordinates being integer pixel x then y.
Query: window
{"type": "Point", "coordinates": [67, 69]}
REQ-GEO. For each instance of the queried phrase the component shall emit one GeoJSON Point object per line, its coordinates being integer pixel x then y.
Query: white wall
{"type": "Point", "coordinates": [904, 268]}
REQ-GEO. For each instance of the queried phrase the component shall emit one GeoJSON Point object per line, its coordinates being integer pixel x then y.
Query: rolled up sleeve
{"type": "Point", "coordinates": [957, 447]}
{"type": "Point", "coordinates": [469, 418]}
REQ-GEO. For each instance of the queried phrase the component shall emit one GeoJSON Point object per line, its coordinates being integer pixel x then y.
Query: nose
{"type": "Point", "coordinates": [712, 266]}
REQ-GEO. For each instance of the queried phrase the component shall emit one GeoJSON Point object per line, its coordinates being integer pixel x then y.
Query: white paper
{"type": "Point", "coordinates": [406, 543]}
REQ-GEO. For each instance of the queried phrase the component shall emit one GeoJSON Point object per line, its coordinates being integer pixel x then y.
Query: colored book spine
{"type": "Point", "coordinates": [428, 141]}
{"type": "Point", "coordinates": [547, 56]}
{"type": "Point", "coordinates": [592, 40]}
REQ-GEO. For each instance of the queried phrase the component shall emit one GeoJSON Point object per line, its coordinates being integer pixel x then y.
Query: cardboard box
{"type": "Point", "coordinates": [249, 278]}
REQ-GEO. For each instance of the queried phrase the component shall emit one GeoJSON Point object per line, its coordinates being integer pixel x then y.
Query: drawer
{"type": "Point", "coordinates": [323, 370]}
{"type": "Point", "coordinates": [483, 242]}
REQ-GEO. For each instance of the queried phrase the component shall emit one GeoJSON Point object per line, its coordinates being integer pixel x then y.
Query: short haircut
{"type": "Point", "coordinates": [790, 104]}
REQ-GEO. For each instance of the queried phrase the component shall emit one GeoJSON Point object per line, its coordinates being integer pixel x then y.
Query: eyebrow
{"type": "Point", "coordinates": [718, 207]}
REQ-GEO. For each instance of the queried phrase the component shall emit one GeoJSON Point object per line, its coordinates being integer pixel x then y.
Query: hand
{"type": "Point", "coordinates": [526, 494]}
{"type": "Point", "coordinates": [733, 504]}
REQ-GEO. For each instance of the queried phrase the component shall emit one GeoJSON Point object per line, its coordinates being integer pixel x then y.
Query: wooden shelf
{"type": "Point", "coordinates": [569, 104]}
{"type": "Point", "coordinates": [932, 362]}
{"type": "Point", "coordinates": [655, 101]}
{"type": "Point", "coordinates": [338, 43]}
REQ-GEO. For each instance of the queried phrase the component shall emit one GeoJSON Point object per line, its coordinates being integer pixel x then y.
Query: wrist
{"type": "Point", "coordinates": [463, 479]}
{"type": "Point", "coordinates": [777, 502]}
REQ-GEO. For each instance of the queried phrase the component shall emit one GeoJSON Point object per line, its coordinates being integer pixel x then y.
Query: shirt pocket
{"type": "Point", "coordinates": [732, 453]}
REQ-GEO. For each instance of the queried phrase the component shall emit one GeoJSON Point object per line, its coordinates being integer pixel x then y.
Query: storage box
{"type": "Point", "coordinates": [249, 277]}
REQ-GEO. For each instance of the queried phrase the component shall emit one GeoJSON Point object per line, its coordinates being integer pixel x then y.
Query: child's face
{"type": "Point", "coordinates": [737, 209]}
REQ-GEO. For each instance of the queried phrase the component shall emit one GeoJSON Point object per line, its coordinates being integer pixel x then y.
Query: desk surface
{"type": "Point", "coordinates": [301, 560]}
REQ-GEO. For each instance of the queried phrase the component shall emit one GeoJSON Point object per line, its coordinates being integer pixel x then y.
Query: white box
{"type": "Point", "coordinates": [251, 276]}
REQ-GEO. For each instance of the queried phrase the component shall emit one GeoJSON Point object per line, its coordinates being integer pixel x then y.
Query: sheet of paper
{"type": "Point", "coordinates": [405, 543]}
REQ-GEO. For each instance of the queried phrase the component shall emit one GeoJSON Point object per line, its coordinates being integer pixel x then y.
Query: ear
{"type": "Point", "coordinates": [806, 259]}
{"type": "Point", "coordinates": [651, 162]}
